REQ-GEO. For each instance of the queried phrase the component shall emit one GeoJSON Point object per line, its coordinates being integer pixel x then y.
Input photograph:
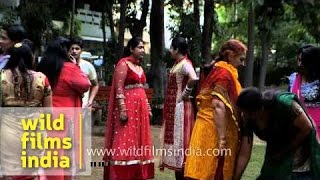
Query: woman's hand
{"type": "Point", "coordinates": [73, 59]}
{"type": "Point", "coordinates": [123, 116]}
{"type": "Point", "coordinates": [222, 146]}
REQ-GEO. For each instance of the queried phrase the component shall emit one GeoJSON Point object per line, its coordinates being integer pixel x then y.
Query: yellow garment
{"type": "Point", "coordinates": [10, 126]}
{"type": "Point", "coordinates": [37, 92]}
{"type": "Point", "coordinates": [233, 71]}
{"type": "Point", "coordinates": [205, 138]}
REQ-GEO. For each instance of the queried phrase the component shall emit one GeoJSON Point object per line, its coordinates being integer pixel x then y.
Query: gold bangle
{"type": "Point", "coordinates": [222, 142]}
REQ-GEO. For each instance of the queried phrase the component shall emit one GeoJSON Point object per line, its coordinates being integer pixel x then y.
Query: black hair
{"type": "Point", "coordinates": [132, 43]}
{"type": "Point", "coordinates": [181, 44]}
{"type": "Point", "coordinates": [76, 40]}
{"type": "Point", "coordinates": [20, 61]}
{"type": "Point", "coordinates": [302, 48]}
{"type": "Point", "coordinates": [15, 32]}
{"type": "Point", "coordinates": [250, 99]}
{"type": "Point", "coordinates": [30, 44]}
{"type": "Point", "coordinates": [53, 59]}
{"type": "Point", "coordinates": [310, 61]}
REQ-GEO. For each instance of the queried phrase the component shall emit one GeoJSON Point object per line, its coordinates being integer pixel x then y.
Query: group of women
{"type": "Point", "coordinates": [226, 118]}
{"type": "Point", "coordinates": [226, 115]}
{"type": "Point", "coordinates": [217, 118]}
{"type": "Point", "coordinates": [58, 82]}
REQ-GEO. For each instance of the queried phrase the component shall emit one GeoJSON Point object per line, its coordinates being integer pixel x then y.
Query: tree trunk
{"type": "Point", "coordinates": [122, 26]}
{"type": "Point", "coordinates": [195, 50]}
{"type": "Point", "coordinates": [265, 43]}
{"type": "Point", "coordinates": [109, 5]}
{"type": "Point", "coordinates": [103, 28]}
{"type": "Point", "coordinates": [72, 18]}
{"type": "Point", "coordinates": [207, 30]}
{"type": "Point", "coordinates": [137, 29]}
{"type": "Point", "coordinates": [248, 77]}
{"type": "Point", "coordinates": [158, 69]}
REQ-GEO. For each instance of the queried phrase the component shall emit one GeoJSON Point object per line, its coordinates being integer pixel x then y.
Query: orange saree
{"type": "Point", "coordinates": [203, 160]}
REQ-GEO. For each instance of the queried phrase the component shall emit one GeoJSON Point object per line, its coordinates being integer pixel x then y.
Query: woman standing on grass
{"type": "Point", "coordinates": [178, 110]}
{"type": "Point", "coordinates": [217, 121]}
{"type": "Point", "coordinates": [128, 120]}
{"type": "Point", "coordinates": [20, 87]}
{"type": "Point", "coordinates": [306, 82]}
{"type": "Point", "coordinates": [68, 84]}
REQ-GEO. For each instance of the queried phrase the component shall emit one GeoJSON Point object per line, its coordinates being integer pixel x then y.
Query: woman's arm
{"type": "Point", "coordinates": [189, 71]}
{"type": "Point", "coordinates": [79, 81]}
{"type": "Point", "coordinates": [120, 74]}
{"type": "Point", "coordinates": [303, 123]}
{"type": "Point", "coordinates": [47, 100]}
{"type": "Point", "coordinates": [304, 127]}
{"type": "Point", "coordinates": [219, 110]}
{"type": "Point", "coordinates": [243, 156]}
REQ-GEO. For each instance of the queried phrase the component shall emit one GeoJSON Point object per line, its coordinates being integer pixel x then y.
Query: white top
{"type": "Point", "coordinates": [87, 68]}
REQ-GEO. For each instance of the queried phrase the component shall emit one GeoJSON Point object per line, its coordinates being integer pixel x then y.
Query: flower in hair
{"type": "Point", "coordinates": [17, 45]}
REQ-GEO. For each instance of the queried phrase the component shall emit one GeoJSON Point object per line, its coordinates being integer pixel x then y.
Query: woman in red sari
{"type": "Point", "coordinates": [128, 129]}
{"type": "Point", "coordinates": [68, 85]}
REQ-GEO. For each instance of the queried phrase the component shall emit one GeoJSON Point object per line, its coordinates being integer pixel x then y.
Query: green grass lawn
{"type": "Point", "coordinates": [251, 173]}
{"type": "Point", "coordinates": [254, 166]}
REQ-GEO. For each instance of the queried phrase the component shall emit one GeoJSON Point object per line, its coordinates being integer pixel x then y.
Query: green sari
{"type": "Point", "coordinates": [283, 116]}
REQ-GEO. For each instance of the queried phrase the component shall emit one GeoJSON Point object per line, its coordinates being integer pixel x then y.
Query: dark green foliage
{"type": "Point", "coordinates": [186, 29]}
{"type": "Point", "coordinates": [308, 14]}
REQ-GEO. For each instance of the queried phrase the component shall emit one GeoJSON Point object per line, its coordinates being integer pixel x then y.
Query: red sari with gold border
{"type": "Point", "coordinates": [130, 141]}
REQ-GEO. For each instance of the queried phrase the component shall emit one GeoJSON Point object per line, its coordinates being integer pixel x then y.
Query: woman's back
{"type": "Point", "coordinates": [13, 97]}
{"type": "Point", "coordinates": [71, 85]}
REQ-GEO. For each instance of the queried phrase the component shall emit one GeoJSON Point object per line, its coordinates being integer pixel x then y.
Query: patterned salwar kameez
{"type": "Point", "coordinates": [178, 117]}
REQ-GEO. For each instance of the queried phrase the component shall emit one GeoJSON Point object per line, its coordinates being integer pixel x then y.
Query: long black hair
{"type": "Point", "coordinates": [53, 58]}
{"type": "Point", "coordinates": [19, 63]}
{"type": "Point", "coordinates": [310, 61]}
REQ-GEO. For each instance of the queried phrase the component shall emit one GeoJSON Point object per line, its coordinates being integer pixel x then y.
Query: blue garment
{"type": "Point", "coordinates": [309, 91]}
{"type": "Point", "coordinates": [4, 60]}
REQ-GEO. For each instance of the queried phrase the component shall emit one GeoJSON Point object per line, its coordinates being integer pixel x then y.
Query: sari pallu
{"type": "Point", "coordinates": [281, 169]}
{"type": "Point", "coordinates": [221, 83]}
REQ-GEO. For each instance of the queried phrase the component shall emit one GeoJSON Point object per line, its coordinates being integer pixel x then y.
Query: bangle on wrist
{"type": "Point", "coordinates": [188, 89]}
{"type": "Point", "coordinates": [120, 96]}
